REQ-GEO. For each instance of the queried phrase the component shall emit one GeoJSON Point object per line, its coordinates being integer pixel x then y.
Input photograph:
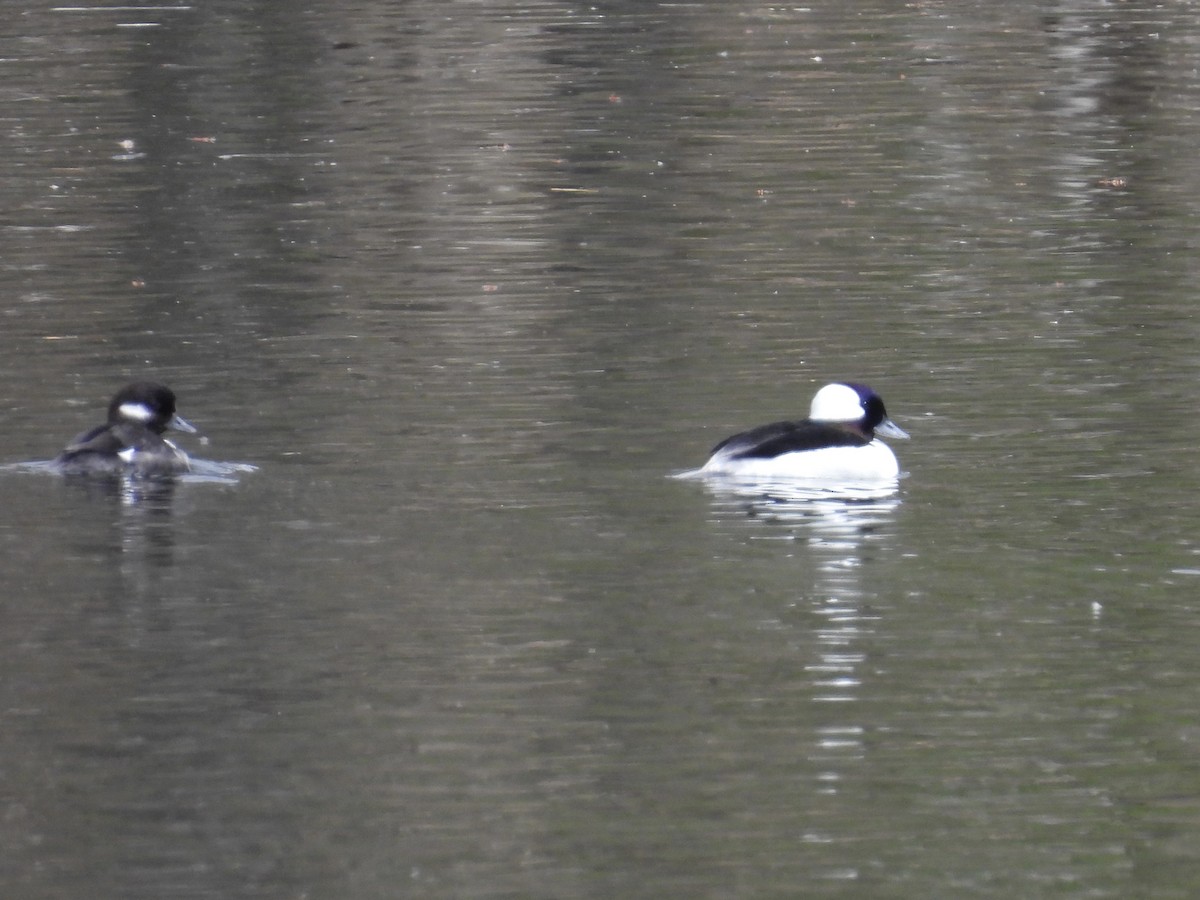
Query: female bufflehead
{"type": "Point", "coordinates": [835, 444]}
{"type": "Point", "coordinates": [131, 442]}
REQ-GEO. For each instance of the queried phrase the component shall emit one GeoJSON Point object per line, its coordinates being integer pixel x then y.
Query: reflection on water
{"type": "Point", "coordinates": [143, 527]}
{"type": "Point", "coordinates": [788, 499]}
{"type": "Point", "coordinates": [132, 517]}
{"type": "Point", "coordinates": [133, 488]}
{"type": "Point", "coordinates": [839, 530]}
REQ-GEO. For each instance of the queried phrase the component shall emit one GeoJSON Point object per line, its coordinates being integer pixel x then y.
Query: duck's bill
{"type": "Point", "coordinates": [888, 428]}
{"type": "Point", "coordinates": [179, 423]}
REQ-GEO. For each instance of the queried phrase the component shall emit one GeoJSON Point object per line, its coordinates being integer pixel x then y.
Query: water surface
{"type": "Point", "coordinates": [467, 283]}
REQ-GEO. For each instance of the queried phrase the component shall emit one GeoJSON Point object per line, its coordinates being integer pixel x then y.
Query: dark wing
{"type": "Point", "coordinates": [103, 451]}
{"type": "Point", "coordinates": [101, 439]}
{"type": "Point", "coordinates": [768, 441]}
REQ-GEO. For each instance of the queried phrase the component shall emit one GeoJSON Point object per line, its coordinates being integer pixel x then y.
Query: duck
{"type": "Point", "coordinates": [836, 445]}
{"type": "Point", "coordinates": [131, 442]}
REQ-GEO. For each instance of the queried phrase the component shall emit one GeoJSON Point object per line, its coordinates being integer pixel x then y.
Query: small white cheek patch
{"type": "Point", "coordinates": [139, 412]}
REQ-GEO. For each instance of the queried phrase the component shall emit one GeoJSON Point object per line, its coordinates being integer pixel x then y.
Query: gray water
{"type": "Point", "coordinates": [467, 282]}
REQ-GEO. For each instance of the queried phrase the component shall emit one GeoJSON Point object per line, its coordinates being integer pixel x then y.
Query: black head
{"type": "Point", "coordinates": [875, 416]}
{"type": "Point", "coordinates": [872, 405]}
{"type": "Point", "coordinates": [149, 404]}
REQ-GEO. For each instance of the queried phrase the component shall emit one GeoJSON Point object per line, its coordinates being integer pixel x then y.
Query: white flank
{"type": "Point", "coordinates": [870, 464]}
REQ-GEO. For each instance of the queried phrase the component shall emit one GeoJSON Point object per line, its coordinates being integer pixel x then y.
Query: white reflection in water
{"type": "Point", "coordinates": [835, 526]}
{"type": "Point", "coordinates": [842, 515]}
{"type": "Point", "coordinates": [133, 488]}
{"type": "Point", "coordinates": [143, 529]}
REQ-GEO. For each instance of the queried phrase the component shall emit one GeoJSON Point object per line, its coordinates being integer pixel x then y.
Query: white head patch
{"type": "Point", "coordinates": [138, 412]}
{"type": "Point", "coordinates": [836, 403]}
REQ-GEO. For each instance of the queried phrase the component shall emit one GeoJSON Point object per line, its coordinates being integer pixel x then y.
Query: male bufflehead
{"type": "Point", "coordinates": [131, 442]}
{"type": "Point", "coordinates": [836, 444]}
